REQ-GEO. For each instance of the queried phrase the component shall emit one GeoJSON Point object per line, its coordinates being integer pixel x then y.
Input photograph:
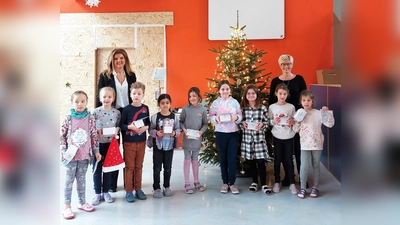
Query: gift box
{"type": "Point", "coordinates": [329, 76]}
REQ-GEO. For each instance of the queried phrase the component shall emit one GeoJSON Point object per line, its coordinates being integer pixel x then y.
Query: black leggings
{"type": "Point", "coordinates": [257, 167]}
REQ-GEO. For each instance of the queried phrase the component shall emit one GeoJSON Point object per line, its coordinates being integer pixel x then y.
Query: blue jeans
{"type": "Point", "coordinates": [227, 144]}
{"type": "Point", "coordinates": [99, 186]}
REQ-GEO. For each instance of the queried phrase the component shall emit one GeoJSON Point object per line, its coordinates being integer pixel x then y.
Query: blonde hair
{"type": "Point", "coordinates": [285, 57]}
{"type": "Point", "coordinates": [127, 66]}
{"type": "Point", "coordinates": [138, 85]}
{"type": "Point", "coordinates": [107, 88]}
{"type": "Point", "coordinates": [78, 93]}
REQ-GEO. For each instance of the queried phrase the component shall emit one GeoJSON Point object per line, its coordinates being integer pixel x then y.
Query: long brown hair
{"type": "Point", "coordinates": [197, 91]}
{"type": "Point", "coordinates": [245, 102]}
{"type": "Point", "coordinates": [127, 66]}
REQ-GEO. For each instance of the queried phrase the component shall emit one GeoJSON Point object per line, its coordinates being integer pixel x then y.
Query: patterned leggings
{"type": "Point", "coordinates": [75, 170]}
{"type": "Point", "coordinates": [307, 156]}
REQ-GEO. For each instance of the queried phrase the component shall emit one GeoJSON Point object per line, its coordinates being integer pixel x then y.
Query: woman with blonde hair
{"type": "Point", "coordinates": [120, 77]}
{"type": "Point", "coordinates": [296, 84]}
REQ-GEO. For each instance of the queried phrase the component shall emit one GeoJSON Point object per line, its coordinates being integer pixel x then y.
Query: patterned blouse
{"type": "Point", "coordinates": [311, 137]}
{"type": "Point", "coordinates": [254, 145]}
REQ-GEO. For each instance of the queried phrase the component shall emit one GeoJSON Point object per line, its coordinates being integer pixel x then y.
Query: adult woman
{"type": "Point", "coordinates": [119, 76]}
{"type": "Point", "coordinates": [295, 83]}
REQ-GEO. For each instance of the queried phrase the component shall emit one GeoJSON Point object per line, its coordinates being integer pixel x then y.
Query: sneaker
{"type": "Point", "coordinates": [198, 187]}
{"type": "Point", "coordinates": [167, 192]}
{"type": "Point", "coordinates": [86, 207]}
{"type": "Point", "coordinates": [302, 193]}
{"type": "Point", "coordinates": [96, 199]}
{"type": "Point", "coordinates": [253, 187]}
{"type": "Point", "coordinates": [158, 193]}
{"type": "Point", "coordinates": [266, 189]}
{"type": "Point", "coordinates": [129, 197]}
{"type": "Point", "coordinates": [276, 188]}
{"type": "Point", "coordinates": [68, 214]}
{"type": "Point", "coordinates": [234, 189]}
{"type": "Point", "coordinates": [140, 195]}
{"type": "Point", "coordinates": [188, 189]}
{"type": "Point", "coordinates": [224, 188]}
{"type": "Point", "coordinates": [314, 193]}
{"type": "Point", "coordinates": [293, 188]}
{"type": "Point", "coordinates": [108, 198]}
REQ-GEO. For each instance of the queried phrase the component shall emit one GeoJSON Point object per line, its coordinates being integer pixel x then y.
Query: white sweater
{"type": "Point", "coordinates": [285, 111]}
{"type": "Point", "coordinates": [311, 137]}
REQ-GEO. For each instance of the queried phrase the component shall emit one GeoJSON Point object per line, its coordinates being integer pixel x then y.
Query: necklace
{"type": "Point", "coordinates": [288, 81]}
{"type": "Point", "coordinates": [287, 84]}
{"type": "Point", "coordinates": [121, 79]}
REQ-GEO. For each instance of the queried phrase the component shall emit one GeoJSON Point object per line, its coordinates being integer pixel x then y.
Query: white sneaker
{"type": "Point", "coordinates": [234, 189]}
{"type": "Point", "coordinates": [293, 188]}
{"type": "Point", "coordinates": [276, 188]}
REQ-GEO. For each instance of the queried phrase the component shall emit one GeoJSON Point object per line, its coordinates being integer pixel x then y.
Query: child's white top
{"type": "Point", "coordinates": [285, 111]}
{"type": "Point", "coordinates": [311, 137]}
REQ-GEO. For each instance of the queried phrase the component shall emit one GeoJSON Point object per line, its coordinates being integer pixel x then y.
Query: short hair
{"type": "Point", "coordinates": [245, 102]}
{"type": "Point", "coordinates": [285, 57]}
{"type": "Point", "coordinates": [138, 85]}
{"type": "Point", "coordinates": [195, 90]}
{"type": "Point", "coordinates": [78, 93]}
{"type": "Point", "coordinates": [107, 88]}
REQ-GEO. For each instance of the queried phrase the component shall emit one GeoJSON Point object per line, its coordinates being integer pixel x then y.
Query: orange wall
{"type": "Point", "coordinates": [308, 31]}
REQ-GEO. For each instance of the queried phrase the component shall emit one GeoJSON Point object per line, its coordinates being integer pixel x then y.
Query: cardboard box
{"type": "Point", "coordinates": [328, 76]}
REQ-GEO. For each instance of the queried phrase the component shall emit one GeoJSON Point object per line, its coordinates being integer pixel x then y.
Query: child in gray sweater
{"type": "Point", "coordinates": [193, 120]}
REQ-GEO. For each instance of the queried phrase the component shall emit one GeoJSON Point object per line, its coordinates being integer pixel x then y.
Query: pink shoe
{"type": "Point", "coordinates": [68, 214]}
{"type": "Point", "coordinates": [86, 207]}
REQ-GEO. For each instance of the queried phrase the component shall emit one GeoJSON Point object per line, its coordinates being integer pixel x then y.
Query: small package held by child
{"type": "Point", "coordinates": [109, 131]}
{"type": "Point", "coordinates": [225, 118]}
{"type": "Point", "coordinates": [327, 117]}
{"type": "Point", "coordinates": [300, 114]}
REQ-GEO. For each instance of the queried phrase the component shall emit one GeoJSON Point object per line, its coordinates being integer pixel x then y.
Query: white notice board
{"type": "Point", "coordinates": [264, 19]}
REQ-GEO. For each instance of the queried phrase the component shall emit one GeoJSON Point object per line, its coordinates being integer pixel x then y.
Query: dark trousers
{"type": "Point", "coordinates": [227, 144]}
{"type": "Point", "coordinates": [98, 175]}
{"type": "Point", "coordinates": [163, 159]}
{"type": "Point", "coordinates": [283, 152]}
{"type": "Point", "coordinates": [257, 168]}
{"type": "Point", "coordinates": [296, 153]}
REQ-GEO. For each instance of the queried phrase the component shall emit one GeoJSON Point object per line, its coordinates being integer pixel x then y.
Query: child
{"type": "Point", "coordinates": [78, 143]}
{"type": "Point", "coordinates": [164, 129]}
{"type": "Point", "coordinates": [194, 118]}
{"type": "Point", "coordinates": [106, 117]}
{"type": "Point", "coordinates": [254, 147]}
{"type": "Point", "coordinates": [311, 141]}
{"type": "Point", "coordinates": [134, 124]}
{"type": "Point", "coordinates": [283, 134]}
{"type": "Point", "coordinates": [225, 113]}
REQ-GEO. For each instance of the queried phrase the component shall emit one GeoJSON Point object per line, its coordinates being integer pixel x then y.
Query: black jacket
{"type": "Point", "coordinates": [104, 81]}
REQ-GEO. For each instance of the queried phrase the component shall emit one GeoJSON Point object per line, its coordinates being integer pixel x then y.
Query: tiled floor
{"type": "Point", "coordinates": [211, 207]}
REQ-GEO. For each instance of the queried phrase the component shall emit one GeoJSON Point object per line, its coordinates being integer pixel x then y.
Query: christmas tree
{"type": "Point", "coordinates": [241, 64]}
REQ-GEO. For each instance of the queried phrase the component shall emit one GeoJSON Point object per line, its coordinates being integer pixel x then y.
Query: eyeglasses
{"type": "Point", "coordinates": [286, 64]}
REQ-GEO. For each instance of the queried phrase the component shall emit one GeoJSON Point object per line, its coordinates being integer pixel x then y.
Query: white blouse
{"type": "Point", "coordinates": [122, 93]}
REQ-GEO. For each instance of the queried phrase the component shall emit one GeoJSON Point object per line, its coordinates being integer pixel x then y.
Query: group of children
{"type": "Point", "coordinates": [83, 141]}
